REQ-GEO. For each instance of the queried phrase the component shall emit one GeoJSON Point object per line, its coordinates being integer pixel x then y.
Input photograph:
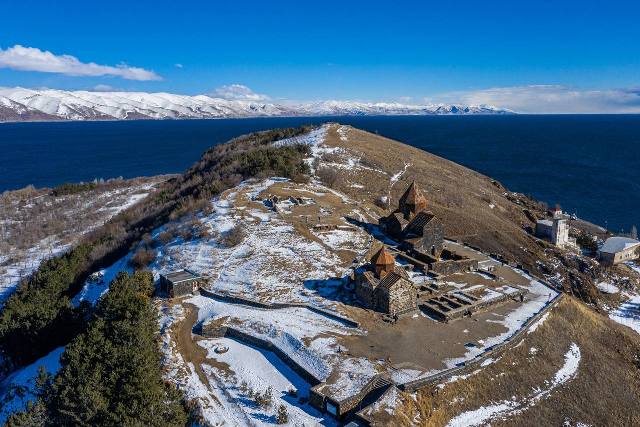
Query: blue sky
{"type": "Point", "coordinates": [523, 53]}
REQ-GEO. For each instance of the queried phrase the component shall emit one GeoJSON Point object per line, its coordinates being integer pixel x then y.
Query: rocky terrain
{"type": "Point", "coordinates": [278, 253]}
{"type": "Point", "coordinates": [19, 104]}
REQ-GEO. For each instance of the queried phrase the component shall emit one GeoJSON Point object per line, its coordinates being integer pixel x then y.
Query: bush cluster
{"type": "Point", "coordinates": [73, 188]}
{"type": "Point", "coordinates": [110, 373]}
{"type": "Point", "coordinates": [234, 236]}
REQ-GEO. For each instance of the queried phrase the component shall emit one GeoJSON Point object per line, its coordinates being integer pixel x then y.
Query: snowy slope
{"type": "Point", "coordinates": [352, 108]}
{"type": "Point", "coordinates": [49, 104]}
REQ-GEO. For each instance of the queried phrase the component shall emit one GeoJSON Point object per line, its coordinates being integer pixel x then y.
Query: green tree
{"type": "Point", "coordinates": [111, 373]}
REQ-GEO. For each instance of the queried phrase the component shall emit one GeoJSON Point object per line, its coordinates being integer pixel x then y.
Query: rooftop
{"type": "Point", "coordinates": [617, 244]}
{"type": "Point", "coordinates": [181, 276]}
{"type": "Point", "coordinates": [393, 277]}
{"type": "Point", "coordinates": [421, 219]}
{"type": "Point", "coordinates": [413, 196]}
{"type": "Point", "coordinates": [383, 257]}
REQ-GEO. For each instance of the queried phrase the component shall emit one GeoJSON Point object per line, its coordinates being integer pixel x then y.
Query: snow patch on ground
{"type": "Point", "coordinates": [535, 325]}
{"type": "Point", "coordinates": [18, 388]}
{"type": "Point", "coordinates": [607, 288]}
{"type": "Point", "coordinates": [251, 368]}
{"type": "Point", "coordinates": [93, 290]}
{"type": "Point", "coordinates": [486, 362]}
{"type": "Point", "coordinates": [343, 133]}
{"type": "Point", "coordinates": [27, 264]}
{"type": "Point", "coordinates": [388, 402]}
{"type": "Point", "coordinates": [343, 239]}
{"type": "Point", "coordinates": [507, 408]}
{"type": "Point", "coordinates": [398, 175]}
{"type": "Point", "coordinates": [628, 313]}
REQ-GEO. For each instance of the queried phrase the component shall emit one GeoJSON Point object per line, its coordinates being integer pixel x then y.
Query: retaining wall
{"type": "Point", "coordinates": [422, 382]}
{"type": "Point", "coordinates": [231, 332]}
{"type": "Point", "coordinates": [453, 266]}
{"type": "Point", "coordinates": [233, 299]}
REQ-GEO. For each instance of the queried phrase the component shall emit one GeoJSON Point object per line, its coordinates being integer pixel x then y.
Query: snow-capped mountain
{"type": "Point", "coordinates": [352, 108]}
{"type": "Point", "coordinates": [19, 104]}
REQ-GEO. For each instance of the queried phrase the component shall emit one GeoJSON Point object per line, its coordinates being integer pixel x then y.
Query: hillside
{"type": "Point", "coordinates": [36, 224]}
{"type": "Point", "coordinates": [19, 104]}
{"type": "Point", "coordinates": [278, 224]}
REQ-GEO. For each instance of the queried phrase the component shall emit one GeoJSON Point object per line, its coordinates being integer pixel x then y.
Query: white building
{"type": "Point", "coordinates": [556, 230]}
{"type": "Point", "coordinates": [619, 249]}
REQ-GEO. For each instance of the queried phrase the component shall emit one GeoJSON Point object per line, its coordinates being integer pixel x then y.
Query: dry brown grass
{"type": "Point", "coordinates": [459, 196]}
{"type": "Point", "coordinates": [605, 390]}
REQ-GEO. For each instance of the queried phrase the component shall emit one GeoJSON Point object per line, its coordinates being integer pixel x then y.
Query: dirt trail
{"type": "Point", "coordinates": [188, 345]}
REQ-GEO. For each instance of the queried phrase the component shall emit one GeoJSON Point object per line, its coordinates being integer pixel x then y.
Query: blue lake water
{"type": "Point", "coordinates": [589, 164]}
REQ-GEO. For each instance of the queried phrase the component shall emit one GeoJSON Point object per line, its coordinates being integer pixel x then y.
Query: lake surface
{"type": "Point", "coordinates": [589, 164]}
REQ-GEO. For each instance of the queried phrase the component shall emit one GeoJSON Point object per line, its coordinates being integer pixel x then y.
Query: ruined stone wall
{"type": "Point", "coordinates": [217, 331]}
{"type": "Point", "coordinates": [452, 266]}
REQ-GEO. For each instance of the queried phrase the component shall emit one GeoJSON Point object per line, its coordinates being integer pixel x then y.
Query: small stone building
{"type": "Point", "coordinates": [382, 286]}
{"type": "Point", "coordinates": [556, 230]}
{"type": "Point", "coordinates": [180, 282]}
{"type": "Point", "coordinates": [619, 249]}
{"type": "Point", "coordinates": [418, 229]}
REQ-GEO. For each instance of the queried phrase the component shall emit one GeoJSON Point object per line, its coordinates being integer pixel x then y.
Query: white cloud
{"type": "Point", "coordinates": [178, 65]}
{"type": "Point", "coordinates": [33, 59]}
{"type": "Point", "coordinates": [238, 92]}
{"type": "Point", "coordinates": [550, 99]}
{"type": "Point", "coordinates": [103, 88]}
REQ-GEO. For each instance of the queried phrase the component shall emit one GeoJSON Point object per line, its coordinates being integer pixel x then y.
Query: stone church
{"type": "Point", "coordinates": [419, 231]}
{"type": "Point", "coordinates": [382, 286]}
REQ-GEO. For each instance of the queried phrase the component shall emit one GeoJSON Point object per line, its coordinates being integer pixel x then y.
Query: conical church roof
{"type": "Point", "coordinates": [413, 196]}
{"type": "Point", "coordinates": [383, 257]}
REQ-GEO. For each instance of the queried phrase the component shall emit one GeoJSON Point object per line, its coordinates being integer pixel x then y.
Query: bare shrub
{"type": "Point", "coordinates": [332, 157]}
{"type": "Point", "coordinates": [142, 258]}
{"type": "Point", "coordinates": [73, 188]}
{"type": "Point", "coordinates": [233, 237]}
{"type": "Point", "coordinates": [264, 400]}
{"type": "Point", "coordinates": [301, 179]}
{"type": "Point", "coordinates": [382, 202]}
{"type": "Point", "coordinates": [201, 230]}
{"type": "Point", "coordinates": [370, 163]}
{"type": "Point", "coordinates": [165, 237]}
{"type": "Point", "coordinates": [283, 416]}
{"type": "Point", "coordinates": [148, 241]}
{"type": "Point", "coordinates": [330, 177]}
{"type": "Point", "coordinates": [186, 232]}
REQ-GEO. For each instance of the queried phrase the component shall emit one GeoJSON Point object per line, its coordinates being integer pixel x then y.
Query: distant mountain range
{"type": "Point", "coordinates": [19, 104]}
